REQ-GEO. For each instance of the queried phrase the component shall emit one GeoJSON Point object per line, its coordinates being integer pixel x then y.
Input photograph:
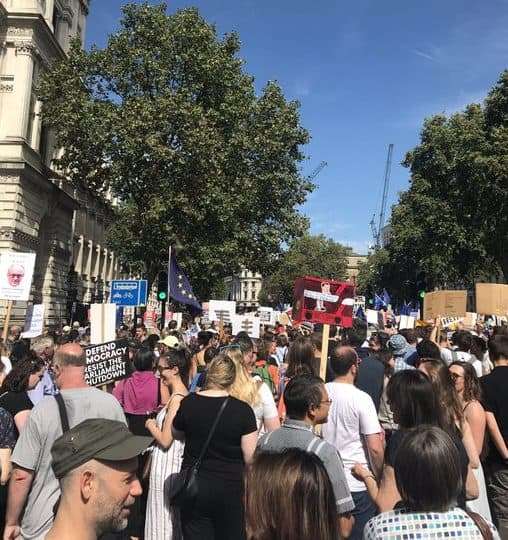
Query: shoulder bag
{"type": "Point", "coordinates": [186, 484]}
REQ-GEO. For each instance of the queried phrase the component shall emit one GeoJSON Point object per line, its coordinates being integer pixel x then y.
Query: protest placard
{"type": "Point", "coordinates": [266, 315]}
{"type": "Point", "coordinates": [246, 323]}
{"type": "Point", "coordinates": [221, 310]}
{"type": "Point", "coordinates": [406, 321]}
{"type": "Point", "coordinates": [34, 321]}
{"type": "Point", "coordinates": [106, 362]}
{"type": "Point", "coordinates": [444, 304]}
{"type": "Point", "coordinates": [102, 323]}
{"type": "Point", "coordinates": [16, 272]}
{"type": "Point", "coordinates": [372, 316]}
{"type": "Point", "coordinates": [492, 299]}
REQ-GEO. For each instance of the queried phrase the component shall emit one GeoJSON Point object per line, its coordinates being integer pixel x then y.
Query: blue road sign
{"type": "Point", "coordinates": [129, 292]}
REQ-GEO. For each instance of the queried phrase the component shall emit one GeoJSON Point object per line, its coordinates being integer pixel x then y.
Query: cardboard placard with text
{"type": "Point", "coordinates": [246, 323]}
{"type": "Point", "coordinates": [106, 362]}
{"type": "Point", "coordinates": [444, 303]}
{"type": "Point", "coordinates": [221, 310]}
{"type": "Point", "coordinates": [492, 299]}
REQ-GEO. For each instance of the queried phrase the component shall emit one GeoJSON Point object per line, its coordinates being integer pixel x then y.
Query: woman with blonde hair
{"type": "Point", "coordinates": [255, 392]}
{"type": "Point", "coordinates": [217, 510]}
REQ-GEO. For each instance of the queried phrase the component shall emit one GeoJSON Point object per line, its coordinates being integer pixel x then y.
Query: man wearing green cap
{"type": "Point", "coordinates": [95, 463]}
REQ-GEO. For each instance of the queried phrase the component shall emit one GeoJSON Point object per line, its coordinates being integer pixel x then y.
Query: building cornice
{"type": "Point", "coordinates": [31, 34]}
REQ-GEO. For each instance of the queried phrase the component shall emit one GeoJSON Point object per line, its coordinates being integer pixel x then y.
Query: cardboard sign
{"type": "Point", "coordinates": [324, 301]}
{"type": "Point", "coordinates": [106, 362]}
{"type": "Point", "coordinates": [221, 310]}
{"type": "Point", "coordinates": [470, 319]}
{"type": "Point", "coordinates": [284, 318]}
{"type": "Point", "coordinates": [34, 321]}
{"type": "Point", "coordinates": [246, 323]}
{"type": "Point", "coordinates": [102, 323]}
{"type": "Point", "coordinates": [16, 272]}
{"type": "Point", "coordinates": [492, 299]}
{"type": "Point", "coordinates": [444, 304]}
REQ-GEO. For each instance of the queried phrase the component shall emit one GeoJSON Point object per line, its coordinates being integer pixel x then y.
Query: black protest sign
{"type": "Point", "coordinates": [106, 362]}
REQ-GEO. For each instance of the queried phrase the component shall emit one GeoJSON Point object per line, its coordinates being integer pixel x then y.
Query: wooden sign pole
{"type": "Point", "coordinates": [7, 320]}
{"type": "Point", "coordinates": [324, 351]}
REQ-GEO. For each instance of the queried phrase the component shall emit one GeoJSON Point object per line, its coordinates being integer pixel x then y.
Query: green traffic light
{"type": "Point", "coordinates": [162, 295]}
{"type": "Point", "coordinates": [422, 294]}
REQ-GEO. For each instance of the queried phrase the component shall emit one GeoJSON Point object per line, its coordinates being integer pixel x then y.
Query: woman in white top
{"type": "Point", "coordinates": [163, 520]}
{"type": "Point", "coordinates": [253, 391]}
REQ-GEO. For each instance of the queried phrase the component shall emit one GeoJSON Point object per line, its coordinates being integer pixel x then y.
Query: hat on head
{"type": "Point", "coordinates": [398, 345]}
{"type": "Point", "coordinates": [170, 341]}
{"type": "Point", "coordinates": [75, 324]}
{"type": "Point", "coordinates": [66, 329]}
{"type": "Point", "coordinates": [95, 438]}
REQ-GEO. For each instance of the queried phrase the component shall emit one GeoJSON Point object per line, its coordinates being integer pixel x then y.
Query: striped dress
{"type": "Point", "coordinates": [162, 520]}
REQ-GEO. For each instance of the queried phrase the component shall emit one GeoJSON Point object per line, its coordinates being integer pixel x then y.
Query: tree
{"type": "Point", "coordinates": [305, 256]}
{"type": "Point", "coordinates": [166, 119]}
{"type": "Point", "coordinates": [449, 228]}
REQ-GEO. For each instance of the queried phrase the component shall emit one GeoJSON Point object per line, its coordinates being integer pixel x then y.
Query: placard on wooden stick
{"type": "Point", "coordinates": [444, 303]}
{"type": "Point", "coordinates": [492, 299]}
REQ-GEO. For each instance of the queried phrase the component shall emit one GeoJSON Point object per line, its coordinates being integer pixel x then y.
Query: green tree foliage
{"type": "Point", "coordinates": [305, 256]}
{"type": "Point", "coordinates": [167, 120]}
{"type": "Point", "coordinates": [449, 229]}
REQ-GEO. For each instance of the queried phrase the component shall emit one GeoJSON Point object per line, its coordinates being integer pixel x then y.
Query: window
{"type": "Point", "coordinates": [245, 294]}
{"type": "Point", "coordinates": [253, 296]}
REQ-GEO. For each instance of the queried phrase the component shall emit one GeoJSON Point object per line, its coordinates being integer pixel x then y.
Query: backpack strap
{"type": "Point", "coordinates": [64, 419]}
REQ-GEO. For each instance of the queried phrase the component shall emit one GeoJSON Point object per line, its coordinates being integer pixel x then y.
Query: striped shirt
{"type": "Point", "coordinates": [298, 434]}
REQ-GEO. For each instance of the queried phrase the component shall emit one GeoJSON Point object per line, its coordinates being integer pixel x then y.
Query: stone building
{"type": "Point", "coordinates": [354, 260]}
{"type": "Point", "coordinates": [39, 210]}
{"type": "Point", "coordinates": [244, 288]}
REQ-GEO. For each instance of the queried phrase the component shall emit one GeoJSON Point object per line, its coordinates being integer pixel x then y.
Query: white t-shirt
{"type": "Point", "coordinates": [7, 364]}
{"type": "Point", "coordinates": [265, 408]}
{"type": "Point", "coordinates": [352, 415]}
{"type": "Point", "coordinates": [449, 356]}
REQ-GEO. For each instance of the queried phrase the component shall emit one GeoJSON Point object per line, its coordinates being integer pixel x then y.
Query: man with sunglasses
{"type": "Point", "coordinates": [307, 405]}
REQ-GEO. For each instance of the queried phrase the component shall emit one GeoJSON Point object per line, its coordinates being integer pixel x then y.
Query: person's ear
{"type": "Point", "coordinates": [87, 484]}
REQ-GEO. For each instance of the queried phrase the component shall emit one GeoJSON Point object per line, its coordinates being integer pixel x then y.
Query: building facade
{"type": "Point", "coordinates": [354, 260]}
{"type": "Point", "coordinates": [244, 289]}
{"type": "Point", "coordinates": [40, 211]}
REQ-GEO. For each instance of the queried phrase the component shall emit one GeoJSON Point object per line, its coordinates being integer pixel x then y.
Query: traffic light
{"type": "Point", "coordinates": [162, 287]}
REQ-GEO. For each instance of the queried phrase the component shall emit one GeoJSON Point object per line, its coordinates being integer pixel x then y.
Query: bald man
{"type": "Point", "coordinates": [33, 488]}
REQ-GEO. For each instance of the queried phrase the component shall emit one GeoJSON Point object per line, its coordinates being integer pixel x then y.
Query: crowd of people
{"type": "Point", "coordinates": [220, 437]}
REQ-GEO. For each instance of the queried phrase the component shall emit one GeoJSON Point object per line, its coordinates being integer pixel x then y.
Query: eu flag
{"type": "Point", "coordinates": [179, 287]}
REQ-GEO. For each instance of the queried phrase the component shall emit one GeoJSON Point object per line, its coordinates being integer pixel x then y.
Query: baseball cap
{"type": "Point", "coordinates": [95, 438]}
{"type": "Point", "coordinates": [170, 341]}
{"type": "Point", "coordinates": [398, 345]}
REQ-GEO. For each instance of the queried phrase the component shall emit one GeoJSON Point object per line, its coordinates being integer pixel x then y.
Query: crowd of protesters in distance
{"type": "Point", "coordinates": [219, 437]}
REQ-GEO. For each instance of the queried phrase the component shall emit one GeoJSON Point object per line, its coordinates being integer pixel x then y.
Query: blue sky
{"type": "Point", "coordinates": [366, 73]}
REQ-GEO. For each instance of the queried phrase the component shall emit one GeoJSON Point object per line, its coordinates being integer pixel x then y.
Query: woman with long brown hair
{"type": "Point", "coordinates": [289, 495]}
{"type": "Point", "coordinates": [300, 360]}
{"type": "Point", "coordinates": [468, 389]}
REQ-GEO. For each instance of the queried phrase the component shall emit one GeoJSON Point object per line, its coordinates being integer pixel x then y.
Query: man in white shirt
{"type": "Point", "coordinates": [462, 341]}
{"type": "Point", "coordinates": [353, 428]}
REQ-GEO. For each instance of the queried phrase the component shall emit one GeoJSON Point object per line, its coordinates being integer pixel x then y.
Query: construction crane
{"type": "Point", "coordinates": [317, 170]}
{"type": "Point", "coordinates": [377, 233]}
